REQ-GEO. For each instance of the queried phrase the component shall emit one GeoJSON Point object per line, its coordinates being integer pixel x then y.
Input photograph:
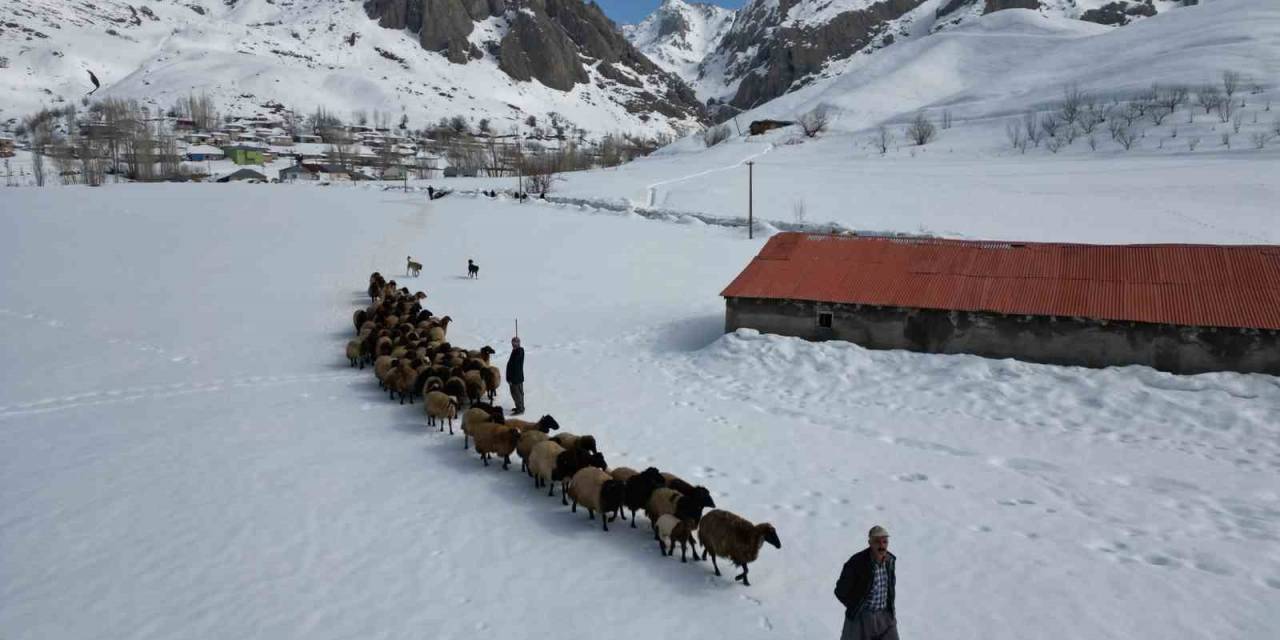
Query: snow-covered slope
{"type": "Point", "coordinates": [184, 452]}
{"type": "Point", "coordinates": [777, 46]}
{"type": "Point", "coordinates": [679, 35]}
{"type": "Point", "coordinates": [303, 54]}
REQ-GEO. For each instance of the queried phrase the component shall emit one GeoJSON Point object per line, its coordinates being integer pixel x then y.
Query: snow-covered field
{"type": "Point", "coordinates": [185, 454]}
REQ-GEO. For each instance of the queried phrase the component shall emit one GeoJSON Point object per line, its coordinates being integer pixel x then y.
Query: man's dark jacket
{"type": "Point", "coordinates": [515, 366]}
{"type": "Point", "coordinates": [854, 586]}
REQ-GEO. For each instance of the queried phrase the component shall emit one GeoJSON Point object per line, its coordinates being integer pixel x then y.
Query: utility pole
{"type": "Point", "coordinates": [750, 200]}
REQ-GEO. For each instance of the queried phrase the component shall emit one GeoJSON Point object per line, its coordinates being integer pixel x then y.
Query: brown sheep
{"type": "Point", "coordinates": [492, 380]}
{"type": "Point", "coordinates": [542, 463]}
{"type": "Point", "coordinates": [669, 501]}
{"type": "Point", "coordinates": [475, 386]}
{"type": "Point", "coordinates": [494, 439]}
{"type": "Point", "coordinates": [576, 442]}
{"type": "Point", "coordinates": [597, 491]}
{"type": "Point", "coordinates": [355, 352]}
{"type": "Point", "coordinates": [528, 439]}
{"type": "Point", "coordinates": [730, 536]}
{"type": "Point", "coordinates": [440, 406]}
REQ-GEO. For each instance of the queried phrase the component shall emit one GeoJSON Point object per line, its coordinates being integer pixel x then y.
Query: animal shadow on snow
{"type": "Point", "coordinates": [513, 492]}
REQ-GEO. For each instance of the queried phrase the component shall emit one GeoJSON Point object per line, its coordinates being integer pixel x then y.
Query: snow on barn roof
{"type": "Point", "coordinates": [1197, 285]}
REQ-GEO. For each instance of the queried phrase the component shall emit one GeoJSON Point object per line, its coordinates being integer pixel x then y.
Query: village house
{"type": "Point", "coordinates": [314, 172]}
{"type": "Point", "coordinates": [1177, 308]}
{"type": "Point", "coordinates": [245, 154]}
{"type": "Point", "coordinates": [204, 152]}
{"type": "Point", "coordinates": [6, 147]}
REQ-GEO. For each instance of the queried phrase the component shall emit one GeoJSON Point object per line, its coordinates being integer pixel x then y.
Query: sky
{"type": "Point", "coordinates": [628, 11]}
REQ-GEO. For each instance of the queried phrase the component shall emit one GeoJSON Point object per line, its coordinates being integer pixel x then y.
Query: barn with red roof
{"type": "Point", "coordinates": [1178, 308]}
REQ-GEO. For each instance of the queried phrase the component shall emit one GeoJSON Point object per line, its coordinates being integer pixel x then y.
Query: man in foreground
{"type": "Point", "coordinates": [866, 589]}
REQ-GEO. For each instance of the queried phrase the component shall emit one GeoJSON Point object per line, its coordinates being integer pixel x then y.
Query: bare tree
{"type": "Point", "coordinates": [884, 137]}
{"type": "Point", "coordinates": [1230, 83]}
{"type": "Point", "coordinates": [1054, 145]}
{"type": "Point", "coordinates": [1226, 109]}
{"type": "Point", "coordinates": [1226, 140]}
{"type": "Point", "coordinates": [1050, 123]}
{"type": "Point", "coordinates": [1090, 118]}
{"type": "Point", "coordinates": [1275, 126]}
{"type": "Point", "coordinates": [1031, 128]}
{"type": "Point", "coordinates": [1073, 104]}
{"type": "Point", "coordinates": [799, 210]}
{"type": "Point", "coordinates": [1093, 142]}
{"type": "Point", "coordinates": [1124, 134]}
{"type": "Point", "coordinates": [815, 121]}
{"type": "Point", "coordinates": [1192, 143]}
{"type": "Point", "coordinates": [1158, 113]}
{"type": "Point", "coordinates": [1013, 132]}
{"type": "Point", "coordinates": [1260, 139]}
{"type": "Point", "coordinates": [1208, 97]}
{"type": "Point", "coordinates": [946, 119]}
{"type": "Point", "coordinates": [712, 136]}
{"type": "Point", "coordinates": [37, 167]}
{"type": "Point", "coordinates": [921, 131]}
{"type": "Point", "coordinates": [459, 125]}
{"type": "Point", "coordinates": [1173, 97]}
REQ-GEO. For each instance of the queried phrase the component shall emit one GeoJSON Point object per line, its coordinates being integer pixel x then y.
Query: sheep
{"type": "Point", "coordinates": [669, 501]}
{"type": "Point", "coordinates": [477, 415]}
{"type": "Point", "coordinates": [440, 406]}
{"type": "Point", "coordinates": [673, 481]}
{"type": "Point", "coordinates": [494, 439]}
{"type": "Point", "coordinates": [355, 353]}
{"type": "Point", "coordinates": [543, 463]}
{"type": "Point", "coordinates": [528, 439]}
{"type": "Point", "coordinates": [456, 387]}
{"type": "Point", "coordinates": [672, 530]}
{"type": "Point", "coordinates": [492, 379]}
{"type": "Point", "coordinates": [359, 318]}
{"type": "Point", "coordinates": [439, 330]}
{"type": "Point", "coordinates": [597, 491]}
{"type": "Point", "coordinates": [544, 424]}
{"type": "Point", "coordinates": [475, 386]}
{"type": "Point", "coordinates": [570, 462]}
{"type": "Point", "coordinates": [573, 441]}
{"type": "Point", "coordinates": [382, 367]}
{"type": "Point", "coordinates": [730, 536]}
{"type": "Point", "coordinates": [640, 485]}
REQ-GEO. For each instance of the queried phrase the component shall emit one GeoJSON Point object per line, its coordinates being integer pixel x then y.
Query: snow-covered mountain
{"type": "Point", "coordinates": [773, 47]}
{"type": "Point", "coordinates": [679, 35]}
{"type": "Point", "coordinates": [427, 60]}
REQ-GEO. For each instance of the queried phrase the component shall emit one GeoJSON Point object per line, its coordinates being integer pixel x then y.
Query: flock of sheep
{"type": "Point", "coordinates": [411, 358]}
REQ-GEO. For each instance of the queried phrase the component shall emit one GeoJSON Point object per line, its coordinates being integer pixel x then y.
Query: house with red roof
{"type": "Point", "coordinates": [1177, 308]}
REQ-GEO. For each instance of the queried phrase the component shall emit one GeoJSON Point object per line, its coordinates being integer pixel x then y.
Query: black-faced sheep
{"type": "Point", "coordinates": [545, 424]}
{"type": "Point", "coordinates": [596, 490]}
{"type": "Point", "coordinates": [577, 442]}
{"type": "Point", "coordinates": [543, 461]}
{"type": "Point", "coordinates": [359, 318]}
{"type": "Point", "coordinates": [730, 536]}
{"type": "Point", "coordinates": [669, 501]}
{"type": "Point", "coordinates": [570, 462]}
{"type": "Point", "coordinates": [440, 406]}
{"type": "Point", "coordinates": [672, 530]}
{"type": "Point", "coordinates": [639, 485]}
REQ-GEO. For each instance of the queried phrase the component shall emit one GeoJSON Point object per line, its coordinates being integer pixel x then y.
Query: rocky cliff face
{"type": "Point", "coordinates": [777, 46]}
{"type": "Point", "coordinates": [558, 43]}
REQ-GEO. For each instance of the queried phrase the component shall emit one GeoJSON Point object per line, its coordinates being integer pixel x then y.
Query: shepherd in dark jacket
{"type": "Point", "coordinates": [866, 589]}
{"type": "Point", "coordinates": [515, 376]}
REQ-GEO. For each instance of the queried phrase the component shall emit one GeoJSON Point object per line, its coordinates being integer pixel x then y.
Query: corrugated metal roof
{"type": "Point", "coordinates": [1201, 285]}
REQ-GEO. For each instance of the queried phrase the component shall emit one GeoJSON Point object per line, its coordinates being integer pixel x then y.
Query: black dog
{"type": "Point", "coordinates": [473, 269]}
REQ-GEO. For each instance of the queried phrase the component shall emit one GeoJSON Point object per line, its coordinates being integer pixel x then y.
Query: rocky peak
{"type": "Point", "coordinates": [679, 35]}
{"type": "Point", "coordinates": [556, 42]}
